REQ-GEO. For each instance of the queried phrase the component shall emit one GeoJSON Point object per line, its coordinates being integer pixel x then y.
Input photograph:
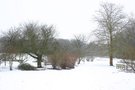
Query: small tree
{"type": "Point", "coordinates": [10, 46]}
{"type": "Point", "coordinates": [79, 46]}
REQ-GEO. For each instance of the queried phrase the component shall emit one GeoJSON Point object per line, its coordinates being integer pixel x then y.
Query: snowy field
{"type": "Point", "coordinates": [97, 75]}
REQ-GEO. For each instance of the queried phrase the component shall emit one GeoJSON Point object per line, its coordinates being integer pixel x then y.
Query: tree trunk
{"type": "Point", "coordinates": [5, 63]}
{"type": "Point", "coordinates": [111, 60]}
{"type": "Point", "coordinates": [39, 61]}
{"type": "Point", "coordinates": [10, 65]}
{"type": "Point", "coordinates": [79, 61]}
{"type": "Point", "coordinates": [111, 49]}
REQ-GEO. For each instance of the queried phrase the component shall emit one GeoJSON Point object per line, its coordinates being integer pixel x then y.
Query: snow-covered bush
{"type": "Point", "coordinates": [26, 66]}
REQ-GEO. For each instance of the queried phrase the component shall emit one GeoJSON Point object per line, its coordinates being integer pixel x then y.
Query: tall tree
{"type": "Point", "coordinates": [109, 19]}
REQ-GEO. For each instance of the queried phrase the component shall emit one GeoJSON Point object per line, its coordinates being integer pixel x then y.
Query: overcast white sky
{"type": "Point", "coordinates": [70, 17]}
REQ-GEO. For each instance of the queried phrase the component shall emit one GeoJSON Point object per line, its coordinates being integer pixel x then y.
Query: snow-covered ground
{"type": "Point", "coordinates": [97, 75]}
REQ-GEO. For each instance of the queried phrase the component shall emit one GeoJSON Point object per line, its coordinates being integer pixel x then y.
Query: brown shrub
{"type": "Point", "coordinates": [63, 60]}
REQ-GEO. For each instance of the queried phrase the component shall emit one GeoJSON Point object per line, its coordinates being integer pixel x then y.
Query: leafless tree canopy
{"type": "Point", "coordinates": [109, 19]}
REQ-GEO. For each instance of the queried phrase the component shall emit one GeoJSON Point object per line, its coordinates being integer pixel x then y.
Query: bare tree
{"type": "Point", "coordinates": [38, 40]}
{"type": "Point", "coordinates": [79, 45]}
{"type": "Point", "coordinates": [109, 19]}
{"type": "Point", "coordinates": [9, 45]}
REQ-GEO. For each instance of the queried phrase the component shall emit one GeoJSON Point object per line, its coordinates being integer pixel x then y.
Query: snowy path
{"type": "Point", "coordinates": [95, 75]}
